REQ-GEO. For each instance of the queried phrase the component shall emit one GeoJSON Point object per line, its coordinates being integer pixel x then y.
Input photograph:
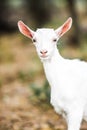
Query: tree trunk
{"type": "Point", "coordinates": [40, 10]}
{"type": "Point", "coordinates": [77, 33]}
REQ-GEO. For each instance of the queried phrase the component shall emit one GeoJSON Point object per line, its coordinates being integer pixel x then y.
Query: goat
{"type": "Point", "coordinates": [67, 78]}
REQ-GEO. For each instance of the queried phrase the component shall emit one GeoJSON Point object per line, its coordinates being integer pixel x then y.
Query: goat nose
{"type": "Point", "coordinates": [43, 51]}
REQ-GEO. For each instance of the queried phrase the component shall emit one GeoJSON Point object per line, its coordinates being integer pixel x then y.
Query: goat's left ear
{"type": "Point", "coordinates": [64, 28]}
{"type": "Point", "coordinates": [25, 30]}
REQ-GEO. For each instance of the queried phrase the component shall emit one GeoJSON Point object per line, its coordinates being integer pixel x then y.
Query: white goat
{"type": "Point", "coordinates": [67, 78]}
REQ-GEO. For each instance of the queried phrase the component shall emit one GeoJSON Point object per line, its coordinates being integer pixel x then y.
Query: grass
{"type": "Point", "coordinates": [5, 53]}
{"type": "Point", "coordinates": [40, 93]}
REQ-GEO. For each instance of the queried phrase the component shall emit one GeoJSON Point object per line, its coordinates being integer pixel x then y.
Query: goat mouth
{"type": "Point", "coordinates": [44, 56]}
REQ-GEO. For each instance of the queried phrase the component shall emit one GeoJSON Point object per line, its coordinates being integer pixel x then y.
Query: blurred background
{"type": "Point", "coordinates": [24, 90]}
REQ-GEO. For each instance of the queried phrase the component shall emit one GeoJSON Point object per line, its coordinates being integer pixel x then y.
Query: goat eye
{"type": "Point", "coordinates": [34, 40]}
{"type": "Point", "coordinates": [55, 40]}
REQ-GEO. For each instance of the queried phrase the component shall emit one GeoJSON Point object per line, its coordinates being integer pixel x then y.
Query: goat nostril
{"type": "Point", "coordinates": [43, 51]}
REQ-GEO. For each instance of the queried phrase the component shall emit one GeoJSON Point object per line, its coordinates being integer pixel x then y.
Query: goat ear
{"type": "Point", "coordinates": [25, 30]}
{"type": "Point", "coordinates": [64, 28]}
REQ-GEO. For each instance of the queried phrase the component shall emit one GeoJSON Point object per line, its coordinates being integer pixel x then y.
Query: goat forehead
{"type": "Point", "coordinates": [45, 32]}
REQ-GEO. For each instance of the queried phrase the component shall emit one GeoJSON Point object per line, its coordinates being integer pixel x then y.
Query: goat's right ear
{"type": "Point", "coordinates": [25, 30]}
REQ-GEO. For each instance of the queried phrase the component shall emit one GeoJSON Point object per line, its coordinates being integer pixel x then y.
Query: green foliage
{"type": "Point", "coordinates": [40, 94]}
{"type": "Point", "coordinates": [26, 76]}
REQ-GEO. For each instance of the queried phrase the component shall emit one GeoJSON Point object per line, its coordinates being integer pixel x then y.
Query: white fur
{"type": "Point", "coordinates": [67, 78]}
